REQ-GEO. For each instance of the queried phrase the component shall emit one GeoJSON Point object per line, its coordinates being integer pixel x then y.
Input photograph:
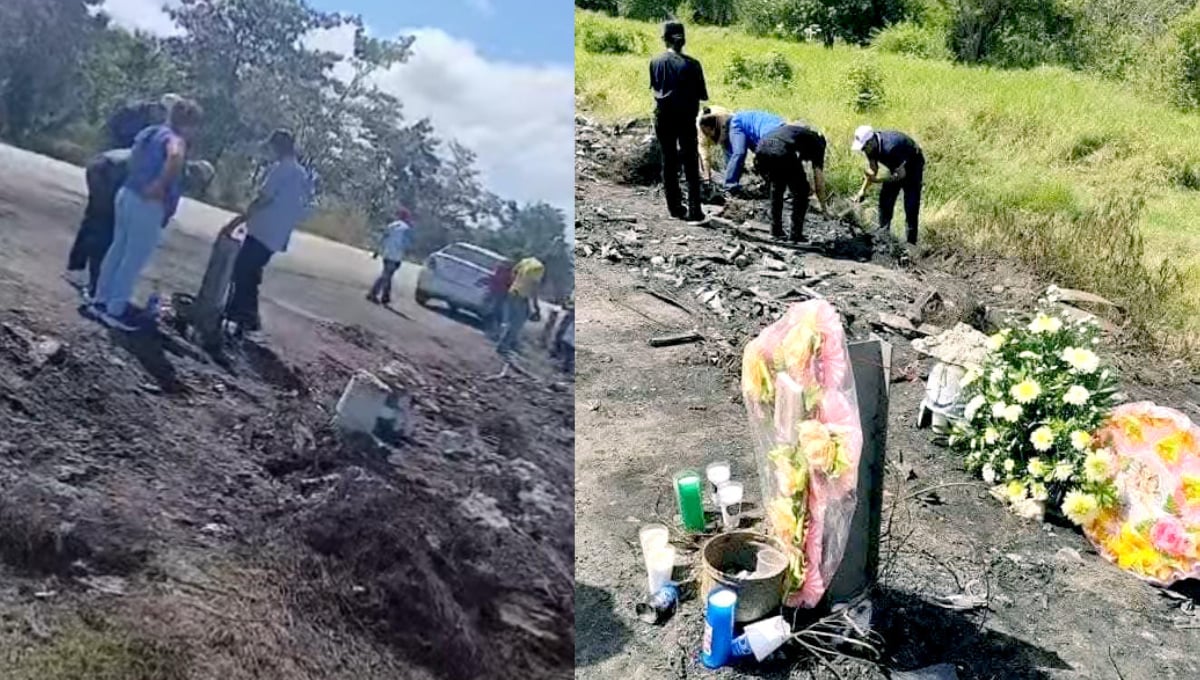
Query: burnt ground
{"type": "Point", "coordinates": [1052, 608]}
{"type": "Point", "coordinates": [163, 517]}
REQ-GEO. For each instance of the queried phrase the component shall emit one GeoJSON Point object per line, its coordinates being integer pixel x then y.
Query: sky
{"type": "Point", "coordinates": [495, 75]}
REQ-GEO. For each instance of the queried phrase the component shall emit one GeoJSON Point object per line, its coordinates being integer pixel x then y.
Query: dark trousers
{"type": "Point", "coordinates": [493, 315]}
{"type": "Point", "coordinates": [242, 308]}
{"type": "Point", "coordinates": [382, 290]}
{"type": "Point", "coordinates": [95, 233]}
{"type": "Point", "coordinates": [914, 178]}
{"type": "Point", "coordinates": [677, 138]}
{"type": "Point", "coordinates": [784, 171]}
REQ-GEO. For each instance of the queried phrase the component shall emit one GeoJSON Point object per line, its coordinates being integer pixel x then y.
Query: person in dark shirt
{"type": "Point", "coordinates": [780, 160]}
{"type": "Point", "coordinates": [678, 84]}
{"type": "Point", "coordinates": [498, 283]}
{"type": "Point", "coordinates": [125, 124]}
{"type": "Point", "coordinates": [901, 155]}
{"type": "Point", "coordinates": [105, 175]}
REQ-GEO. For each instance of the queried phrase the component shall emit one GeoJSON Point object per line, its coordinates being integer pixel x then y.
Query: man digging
{"type": "Point", "coordinates": [901, 155]}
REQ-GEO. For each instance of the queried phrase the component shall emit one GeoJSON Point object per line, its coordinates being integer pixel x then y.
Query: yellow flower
{"type": "Point", "coordinates": [1097, 467]}
{"type": "Point", "coordinates": [757, 382]}
{"type": "Point", "coordinates": [1038, 492]}
{"type": "Point", "coordinates": [1135, 553]}
{"type": "Point", "coordinates": [1042, 438]}
{"type": "Point", "coordinates": [1015, 491]}
{"type": "Point", "coordinates": [1169, 447]}
{"type": "Point", "coordinates": [1026, 391]}
{"type": "Point", "coordinates": [991, 436]}
{"type": "Point", "coordinates": [1083, 360]}
{"type": "Point", "coordinates": [1078, 395]}
{"type": "Point", "coordinates": [816, 444]}
{"type": "Point", "coordinates": [791, 479]}
{"type": "Point", "coordinates": [783, 520]}
{"type": "Point", "coordinates": [1191, 489]}
{"type": "Point", "coordinates": [1013, 413]}
{"type": "Point", "coordinates": [995, 342]}
{"type": "Point", "coordinates": [969, 377]}
{"type": "Point", "coordinates": [1081, 508]}
{"type": "Point", "coordinates": [1080, 440]}
{"type": "Point", "coordinates": [1036, 468]}
{"type": "Point", "coordinates": [1063, 471]}
{"type": "Point", "coordinates": [1045, 324]}
{"type": "Point", "coordinates": [1132, 426]}
{"type": "Point", "coordinates": [800, 344]}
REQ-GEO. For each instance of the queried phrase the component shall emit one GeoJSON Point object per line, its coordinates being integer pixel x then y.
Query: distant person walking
{"type": "Point", "coordinates": [393, 245]}
{"type": "Point", "coordinates": [780, 160]}
{"type": "Point", "coordinates": [498, 283]}
{"type": "Point", "coordinates": [522, 303]}
{"type": "Point", "coordinates": [901, 155]}
{"type": "Point", "coordinates": [282, 204]}
{"type": "Point", "coordinates": [738, 134]}
{"type": "Point", "coordinates": [678, 84]}
{"type": "Point", "coordinates": [144, 205]}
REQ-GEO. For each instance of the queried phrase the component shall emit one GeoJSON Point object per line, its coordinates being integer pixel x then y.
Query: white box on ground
{"type": "Point", "coordinates": [363, 402]}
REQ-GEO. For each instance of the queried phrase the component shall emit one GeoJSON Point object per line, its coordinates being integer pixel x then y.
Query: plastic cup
{"type": "Point", "coordinates": [769, 560]}
{"type": "Point", "coordinates": [717, 473]}
{"type": "Point", "coordinates": [660, 562]}
{"type": "Point", "coordinates": [729, 499]}
{"type": "Point", "coordinates": [653, 536]}
{"type": "Point", "coordinates": [766, 636]}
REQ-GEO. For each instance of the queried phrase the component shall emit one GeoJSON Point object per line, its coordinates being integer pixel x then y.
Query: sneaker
{"type": "Point", "coordinates": [254, 337]}
{"type": "Point", "coordinates": [697, 220]}
{"type": "Point", "coordinates": [126, 322]}
{"type": "Point", "coordinates": [77, 278]}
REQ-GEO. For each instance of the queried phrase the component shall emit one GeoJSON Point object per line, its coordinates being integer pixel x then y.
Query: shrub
{"type": "Point", "coordinates": [647, 10]}
{"type": "Point", "coordinates": [606, 6]}
{"type": "Point", "coordinates": [1031, 412]}
{"type": "Point", "coordinates": [746, 72]}
{"type": "Point", "coordinates": [715, 12]}
{"type": "Point", "coordinates": [1015, 34]}
{"type": "Point", "coordinates": [1182, 61]}
{"type": "Point", "coordinates": [914, 40]}
{"type": "Point", "coordinates": [850, 20]}
{"type": "Point", "coordinates": [866, 86]}
{"type": "Point", "coordinates": [610, 40]}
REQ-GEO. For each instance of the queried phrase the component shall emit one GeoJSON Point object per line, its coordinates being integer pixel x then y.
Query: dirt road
{"type": "Point", "coordinates": [165, 518]}
{"type": "Point", "coordinates": [1053, 608]}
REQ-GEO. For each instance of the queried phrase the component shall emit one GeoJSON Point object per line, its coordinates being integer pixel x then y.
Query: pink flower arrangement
{"type": "Point", "coordinates": [799, 394]}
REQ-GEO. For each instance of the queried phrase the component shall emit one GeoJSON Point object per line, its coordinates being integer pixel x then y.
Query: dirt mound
{"type": "Point", "coordinates": [627, 153]}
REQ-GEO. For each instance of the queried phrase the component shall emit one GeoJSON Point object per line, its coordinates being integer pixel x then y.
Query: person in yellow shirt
{"type": "Point", "coordinates": [522, 303]}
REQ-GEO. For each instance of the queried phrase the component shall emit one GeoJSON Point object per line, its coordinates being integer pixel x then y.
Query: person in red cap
{"type": "Point", "coordinates": [393, 244]}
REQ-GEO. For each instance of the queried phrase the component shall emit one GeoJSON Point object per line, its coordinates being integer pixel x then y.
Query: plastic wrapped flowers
{"type": "Point", "coordinates": [799, 393]}
{"type": "Point", "coordinates": [1141, 505]}
{"type": "Point", "coordinates": [1032, 410]}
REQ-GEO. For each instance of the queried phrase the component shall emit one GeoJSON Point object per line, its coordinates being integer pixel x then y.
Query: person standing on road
{"type": "Point", "coordinates": [738, 134]}
{"type": "Point", "coordinates": [283, 202]}
{"type": "Point", "coordinates": [144, 205]}
{"type": "Point", "coordinates": [498, 283]}
{"type": "Point", "coordinates": [901, 155]}
{"type": "Point", "coordinates": [522, 303]}
{"type": "Point", "coordinates": [393, 244]}
{"type": "Point", "coordinates": [678, 84]}
{"type": "Point", "coordinates": [780, 160]}
{"type": "Point", "coordinates": [105, 175]}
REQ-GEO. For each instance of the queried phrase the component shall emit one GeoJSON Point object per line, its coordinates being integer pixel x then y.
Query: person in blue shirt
{"type": "Point", "coordinates": [144, 205]}
{"type": "Point", "coordinates": [905, 162]}
{"type": "Point", "coordinates": [737, 134]}
{"type": "Point", "coordinates": [393, 244]}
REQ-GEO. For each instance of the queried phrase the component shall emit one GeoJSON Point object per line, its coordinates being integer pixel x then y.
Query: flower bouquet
{"type": "Point", "coordinates": [1142, 510]}
{"type": "Point", "coordinates": [1031, 411]}
{"type": "Point", "coordinates": [799, 393]}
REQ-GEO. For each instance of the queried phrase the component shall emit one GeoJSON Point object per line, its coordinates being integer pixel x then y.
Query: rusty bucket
{"type": "Point", "coordinates": [731, 560]}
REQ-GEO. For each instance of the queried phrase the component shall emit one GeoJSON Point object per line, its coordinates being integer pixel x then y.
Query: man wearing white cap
{"type": "Point", "coordinates": [901, 155]}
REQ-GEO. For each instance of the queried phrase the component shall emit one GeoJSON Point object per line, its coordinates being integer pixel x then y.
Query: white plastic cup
{"type": "Point", "coordinates": [769, 560]}
{"type": "Point", "coordinates": [653, 536]}
{"type": "Point", "coordinates": [718, 473]}
{"type": "Point", "coordinates": [660, 562]}
{"type": "Point", "coordinates": [729, 499]}
{"type": "Point", "coordinates": [767, 635]}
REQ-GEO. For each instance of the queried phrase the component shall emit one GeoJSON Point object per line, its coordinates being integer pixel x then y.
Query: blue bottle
{"type": "Point", "coordinates": [718, 628]}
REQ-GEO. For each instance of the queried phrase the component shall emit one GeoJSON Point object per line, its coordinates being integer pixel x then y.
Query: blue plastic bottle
{"type": "Point", "coordinates": [718, 628]}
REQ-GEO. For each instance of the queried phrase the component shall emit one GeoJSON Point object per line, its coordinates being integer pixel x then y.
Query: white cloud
{"type": "Point", "coordinates": [141, 15]}
{"type": "Point", "coordinates": [518, 118]}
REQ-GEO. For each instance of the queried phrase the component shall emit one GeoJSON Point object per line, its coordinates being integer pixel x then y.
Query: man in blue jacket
{"type": "Point", "coordinates": [738, 134]}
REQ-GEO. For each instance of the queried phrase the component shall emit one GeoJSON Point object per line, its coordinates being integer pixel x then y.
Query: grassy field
{"type": "Point", "coordinates": [1059, 169]}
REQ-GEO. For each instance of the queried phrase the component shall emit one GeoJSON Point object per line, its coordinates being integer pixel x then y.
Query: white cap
{"type": "Point", "coordinates": [861, 135]}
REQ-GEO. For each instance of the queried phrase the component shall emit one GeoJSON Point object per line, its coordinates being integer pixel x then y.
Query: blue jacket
{"type": "Point", "coordinates": [746, 130]}
{"type": "Point", "coordinates": [146, 162]}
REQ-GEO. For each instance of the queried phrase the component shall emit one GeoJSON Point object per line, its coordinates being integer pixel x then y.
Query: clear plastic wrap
{"type": "Point", "coordinates": [799, 393]}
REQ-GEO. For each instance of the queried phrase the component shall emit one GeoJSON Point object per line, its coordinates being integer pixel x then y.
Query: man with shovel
{"type": "Point", "coordinates": [901, 155]}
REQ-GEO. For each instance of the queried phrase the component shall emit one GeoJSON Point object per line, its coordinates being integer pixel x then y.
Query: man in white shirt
{"type": "Point", "coordinates": [283, 203]}
{"type": "Point", "coordinates": [393, 244]}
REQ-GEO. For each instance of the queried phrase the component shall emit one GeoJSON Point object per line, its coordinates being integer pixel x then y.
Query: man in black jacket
{"type": "Point", "coordinates": [678, 84]}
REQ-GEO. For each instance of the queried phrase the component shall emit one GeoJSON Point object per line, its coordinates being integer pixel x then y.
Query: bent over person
{"type": "Point", "coordinates": [678, 83]}
{"type": "Point", "coordinates": [780, 160]}
{"type": "Point", "coordinates": [901, 155]}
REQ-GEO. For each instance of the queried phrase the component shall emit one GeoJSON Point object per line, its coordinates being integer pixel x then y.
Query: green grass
{"type": "Point", "coordinates": [80, 653]}
{"type": "Point", "coordinates": [1010, 153]}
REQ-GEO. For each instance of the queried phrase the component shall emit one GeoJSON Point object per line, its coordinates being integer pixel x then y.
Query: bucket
{"type": "Point", "coordinates": [943, 395]}
{"type": "Point", "coordinates": [731, 560]}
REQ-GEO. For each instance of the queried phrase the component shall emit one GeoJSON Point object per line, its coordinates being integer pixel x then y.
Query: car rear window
{"type": "Point", "coordinates": [482, 259]}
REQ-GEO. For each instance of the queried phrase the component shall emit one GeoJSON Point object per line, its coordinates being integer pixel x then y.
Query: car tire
{"type": "Point", "coordinates": [422, 298]}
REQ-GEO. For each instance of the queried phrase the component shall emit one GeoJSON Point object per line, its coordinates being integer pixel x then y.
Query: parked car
{"type": "Point", "coordinates": [457, 276]}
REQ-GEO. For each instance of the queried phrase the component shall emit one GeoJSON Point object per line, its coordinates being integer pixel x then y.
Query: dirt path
{"type": "Point", "coordinates": [164, 518]}
{"type": "Point", "coordinates": [1055, 609]}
